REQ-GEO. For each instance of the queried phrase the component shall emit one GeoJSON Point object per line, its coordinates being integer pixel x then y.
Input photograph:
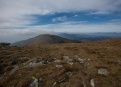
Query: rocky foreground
{"type": "Point", "coordinates": [62, 65]}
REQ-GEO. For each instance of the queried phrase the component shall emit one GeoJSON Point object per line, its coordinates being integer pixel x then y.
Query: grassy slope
{"type": "Point", "coordinates": [102, 54]}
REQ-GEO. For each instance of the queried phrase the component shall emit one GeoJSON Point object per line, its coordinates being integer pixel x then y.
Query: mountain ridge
{"type": "Point", "coordinates": [43, 39]}
{"type": "Point", "coordinates": [91, 37]}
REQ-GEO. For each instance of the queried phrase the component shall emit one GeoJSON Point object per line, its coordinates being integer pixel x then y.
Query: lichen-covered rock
{"type": "Point", "coordinates": [71, 63]}
{"type": "Point", "coordinates": [81, 60]}
{"type": "Point", "coordinates": [67, 58]}
{"type": "Point", "coordinates": [92, 83]}
{"type": "Point", "coordinates": [34, 83]}
{"type": "Point", "coordinates": [33, 64]}
{"type": "Point", "coordinates": [57, 61]}
{"type": "Point", "coordinates": [103, 71]}
{"type": "Point", "coordinates": [59, 66]}
{"type": "Point", "coordinates": [14, 70]}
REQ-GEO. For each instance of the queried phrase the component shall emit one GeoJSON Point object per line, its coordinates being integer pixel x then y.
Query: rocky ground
{"type": "Point", "coordinates": [96, 64]}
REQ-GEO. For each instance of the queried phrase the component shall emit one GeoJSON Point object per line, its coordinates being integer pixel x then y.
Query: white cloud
{"type": "Point", "coordinates": [83, 27]}
{"type": "Point", "coordinates": [61, 19]}
{"type": "Point", "coordinates": [76, 15]}
{"type": "Point", "coordinates": [23, 7]}
{"type": "Point", "coordinates": [14, 12]}
{"type": "Point", "coordinates": [12, 35]}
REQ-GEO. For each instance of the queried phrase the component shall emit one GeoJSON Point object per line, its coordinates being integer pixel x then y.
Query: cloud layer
{"type": "Point", "coordinates": [16, 17]}
{"type": "Point", "coordinates": [13, 35]}
{"type": "Point", "coordinates": [16, 13]}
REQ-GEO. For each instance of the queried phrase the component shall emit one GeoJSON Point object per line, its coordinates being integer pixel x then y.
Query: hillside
{"type": "Point", "coordinates": [43, 39]}
{"type": "Point", "coordinates": [4, 44]}
{"type": "Point", "coordinates": [91, 37]}
{"type": "Point", "coordinates": [96, 64]}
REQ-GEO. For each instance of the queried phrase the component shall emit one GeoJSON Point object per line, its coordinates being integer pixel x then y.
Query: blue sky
{"type": "Point", "coordinates": [27, 18]}
{"type": "Point", "coordinates": [86, 17]}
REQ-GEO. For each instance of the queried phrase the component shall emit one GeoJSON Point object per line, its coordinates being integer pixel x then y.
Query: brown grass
{"type": "Point", "coordinates": [101, 54]}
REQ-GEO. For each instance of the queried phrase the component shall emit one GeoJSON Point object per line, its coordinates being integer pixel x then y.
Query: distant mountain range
{"type": "Point", "coordinates": [91, 37]}
{"type": "Point", "coordinates": [43, 39]}
{"type": "Point", "coordinates": [67, 38]}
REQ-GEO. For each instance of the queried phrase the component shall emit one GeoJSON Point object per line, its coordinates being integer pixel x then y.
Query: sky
{"type": "Point", "coordinates": [22, 19]}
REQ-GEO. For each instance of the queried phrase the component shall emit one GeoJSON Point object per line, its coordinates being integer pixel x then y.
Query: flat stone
{"type": "Point", "coordinates": [92, 83]}
{"type": "Point", "coordinates": [67, 58]}
{"type": "Point", "coordinates": [84, 84]}
{"type": "Point", "coordinates": [71, 63]}
{"type": "Point", "coordinates": [57, 61]}
{"type": "Point", "coordinates": [54, 84]}
{"type": "Point", "coordinates": [33, 64]}
{"type": "Point", "coordinates": [14, 70]}
{"type": "Point", "coordinates": [103, 71]}
{"type": "Point", "coordinates": [81, 60]}
{"type": "Point", "coordinates": [62, 80]}
{"type": "Point", "coordinates": [34, 83]}
{"type": "Point", "coordinates": [26, 63]}
{"type": "Point", "coordinates": [59, 66]}
{"type": "Point", "coordinates": [88, 59]}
